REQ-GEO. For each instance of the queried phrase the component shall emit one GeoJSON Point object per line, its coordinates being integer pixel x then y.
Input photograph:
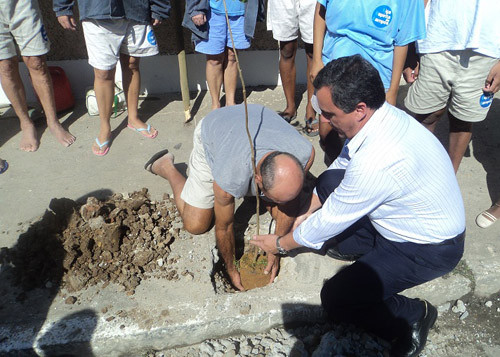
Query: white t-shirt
{"type": "Point", "coordinates": [462, 24]}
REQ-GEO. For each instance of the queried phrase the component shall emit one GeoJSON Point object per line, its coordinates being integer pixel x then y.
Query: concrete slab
{"type": "Point", "coordinates": [163, 314]}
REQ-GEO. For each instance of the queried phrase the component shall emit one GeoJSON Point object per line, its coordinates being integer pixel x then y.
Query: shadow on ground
{"type": "Point", "coordinates": [30, 278]}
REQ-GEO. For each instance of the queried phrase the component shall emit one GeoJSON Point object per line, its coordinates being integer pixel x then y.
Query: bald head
{"type": "Point", "coordinates": [282, 176]}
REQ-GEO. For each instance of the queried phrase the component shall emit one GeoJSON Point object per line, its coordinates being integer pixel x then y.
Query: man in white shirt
{"type": "Point", "coordinates": [390, 201]}
{"type": "Point", "coordinates": [459, 68]}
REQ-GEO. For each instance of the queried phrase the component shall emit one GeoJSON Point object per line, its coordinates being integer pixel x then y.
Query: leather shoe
{"type": "Point", "coordinates": [333, 252]}
{"type": "Point", "coordinates": [413, 344]}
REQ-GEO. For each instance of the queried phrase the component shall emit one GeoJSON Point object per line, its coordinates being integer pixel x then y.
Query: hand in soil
{"type": "Point", "coordinates": [236, 279]}
{"type": "Point", "coordinates": [273, 265]}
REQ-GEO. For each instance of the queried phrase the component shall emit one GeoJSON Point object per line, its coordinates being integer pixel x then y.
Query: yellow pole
{"type": "Point", "coordinates": [181, 57]}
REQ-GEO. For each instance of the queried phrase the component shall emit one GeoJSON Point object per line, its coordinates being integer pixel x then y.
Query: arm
{"type": "Point", "coordinates": [268, 242]}
{"type": "Point", "coordinates": [492, 83]}
{"type": "Point", "coordinates": [319, 30]}
{"type": "Point", "coordinates": [398, 62]}
{"type": "Point", "coordinates": [224, 233]}
{"type": "Point", "coordinates": [64, 13]}
{"type": "Point", "coordinates": [412, 64]}
{"type": "Point", "coordinates": [160, 10]}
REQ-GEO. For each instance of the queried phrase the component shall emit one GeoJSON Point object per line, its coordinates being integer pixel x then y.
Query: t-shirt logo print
{"type": "Point", "coordinates": [382, 16]}
{"type": "Point", "coordinates": [485, 100]}
{"type": "Point", "coordinates": [151, 38]}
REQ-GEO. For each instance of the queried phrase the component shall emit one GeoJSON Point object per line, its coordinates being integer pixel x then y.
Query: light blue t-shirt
{"type": "Point", "coordinates": [371, 28]}
{"type": "Point", "coordinates": [234, 7]}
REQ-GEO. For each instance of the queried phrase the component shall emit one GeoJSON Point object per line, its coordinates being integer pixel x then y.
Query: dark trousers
{"type": "Point", "coordinates": [366, 292]}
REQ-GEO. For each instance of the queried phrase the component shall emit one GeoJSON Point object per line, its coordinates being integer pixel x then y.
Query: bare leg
{"type": "Point", "coordinates": [42, 82]}
{"type": "Point", "coordinates": [430, 120]}
{"type": "Point", "coordinates": [196, 220]}
{"type": "Point", "coordinates": [230, 76]}
{"type": "Point", "coordinates": [288, 50]}
{"type": "Point", "coordinates": [215, 75]}
{"type": "Point", "coordinates": [131, 79]}
{"type": "Point", "coordinates": [104, 86]}
{"type": "Point", "coordinates": [460, 135]}
{"type": "Point", "coordinates": [14, 89]}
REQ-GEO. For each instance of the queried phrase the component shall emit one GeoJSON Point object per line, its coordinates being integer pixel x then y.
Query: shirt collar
{"type": "Point", "coordinates": [352, 145]}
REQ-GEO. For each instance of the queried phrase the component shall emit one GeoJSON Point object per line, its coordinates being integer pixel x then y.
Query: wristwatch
{"type": "Point", "coordinates": [279, 248]}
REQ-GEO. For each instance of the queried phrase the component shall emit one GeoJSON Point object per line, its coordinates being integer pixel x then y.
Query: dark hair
{"type": "Point", "coordinates": [268, 168]}
{"type": "Point", "coordinates": [352, 80]}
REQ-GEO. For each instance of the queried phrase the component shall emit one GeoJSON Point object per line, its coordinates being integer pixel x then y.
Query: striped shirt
{"type": "Point", "coordinates": [399, 175]}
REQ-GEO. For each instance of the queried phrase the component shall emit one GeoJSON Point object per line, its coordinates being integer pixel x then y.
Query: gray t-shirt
{"type": "Point", "coordinates": [227, 149]}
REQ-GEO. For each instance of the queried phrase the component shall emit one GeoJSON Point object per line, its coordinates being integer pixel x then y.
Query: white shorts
{"type": "Point", "coordinates": [21, 24]}
{"type": "Point", "coordinates": [106, 39]}
{"type": "Point", "coordinates": [455, 78]}
{"type": "Point", "coordinates": [198, 190]}
{"type": "Point", "coordinates": [285, 18]}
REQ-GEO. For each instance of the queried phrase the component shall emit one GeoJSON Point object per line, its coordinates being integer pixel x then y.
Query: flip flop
{"type": "Point", "coordinates": [288, 118]}
{"type": "Point", "coordinates": [486, 219]}
{"type": "Point", "coordinates": [100, 147]}
{"type": "Point", "coordinates": [146, 132]}
{"type": "Point", "coordinates": [148, 166]}
{"type": "Point", "coordinates": [5, 166]}
{"type": "Point", "coordinates": [308, 129]}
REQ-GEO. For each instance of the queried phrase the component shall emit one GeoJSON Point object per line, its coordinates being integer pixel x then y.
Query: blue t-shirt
{"type": "Point", "coordinates": [371, 28]}
{"type": "Point", "coordinates": [234, 7]}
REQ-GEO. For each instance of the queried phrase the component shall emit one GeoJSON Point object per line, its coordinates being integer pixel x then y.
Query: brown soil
{"type": "Point", "coordinates": [252, 271]}
{"type": "Point", "coordinates": [120, 240]}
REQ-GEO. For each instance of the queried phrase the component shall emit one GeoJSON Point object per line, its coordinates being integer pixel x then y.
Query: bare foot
{"type": "Point", "coordinates": [29, 140]}
{"type": "Point", "coordinates": [63, 136]}
{"type": "Point", "coordinates": [163, 163]}
{"type": "Point", "coordinates": [138, 125]}
{"type": "Point", "coordinates": [101, 145]}
{"type": "Point", "coordinates": [494, 211]}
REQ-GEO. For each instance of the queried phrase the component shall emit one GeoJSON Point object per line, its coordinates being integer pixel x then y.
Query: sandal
{"type": "Point", "coordinates": [100, 153]}
{"type": "Point", "coordinates": [4, 167]}
{"type": "Point", "coordinates": [288, 118]}
{"type": "Point", "coordinates": [308, 129]}
{"type": "Point", "coordinates": [486, 219]}
{"type": "Point", "coordinates": [148, 166]}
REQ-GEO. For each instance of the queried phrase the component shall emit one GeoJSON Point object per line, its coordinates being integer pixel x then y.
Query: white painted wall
{"type": "Point", "coordinates": [160, 74]}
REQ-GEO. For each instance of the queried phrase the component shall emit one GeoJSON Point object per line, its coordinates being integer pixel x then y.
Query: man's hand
{"type": "Point", "coordinates": [199, 19]}
{"type": "Point", "coordinates": [156, 22]}
{"type": "Point", "coordinates": [67, 22]}
{"type": "Point", "coordinates": [492, 84]}
{"type": "Point", "coordinates": [234, 275]}
{"type": "Point", "coordinates": [266, 242]}
{"type": "Point", "coordinates": [273, 264]}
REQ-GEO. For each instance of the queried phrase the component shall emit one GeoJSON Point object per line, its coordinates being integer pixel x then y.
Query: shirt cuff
{"type": "Point", "coordinates": [300, 239]}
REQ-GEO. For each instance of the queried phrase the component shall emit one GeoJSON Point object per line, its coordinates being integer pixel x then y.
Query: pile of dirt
{"type": "Point", "coordinates": [119, 240]}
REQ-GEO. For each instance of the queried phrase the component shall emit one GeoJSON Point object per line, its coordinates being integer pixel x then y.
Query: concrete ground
{"type": "Point", "coordinates": [165, 314]}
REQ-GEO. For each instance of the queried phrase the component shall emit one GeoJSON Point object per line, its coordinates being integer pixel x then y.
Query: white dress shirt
{"type": "Point", "coordinates": [399, 175]}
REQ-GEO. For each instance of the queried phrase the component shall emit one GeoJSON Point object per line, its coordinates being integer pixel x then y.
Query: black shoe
{"type": "Point", "coordinates": [412, 345]}
{"type": "Point", "coordinates": [334, 253]}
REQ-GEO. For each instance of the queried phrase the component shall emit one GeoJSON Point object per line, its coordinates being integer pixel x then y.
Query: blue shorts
{"type": "Point", "coordinates": [218, 34]}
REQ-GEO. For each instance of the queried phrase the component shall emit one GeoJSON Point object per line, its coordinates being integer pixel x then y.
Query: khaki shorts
{"type": "Point", "coordinates": [106, 39]}
{"type": "Point", "coordinates": [199, 188]}
{"type": "Point", "coordinates": [20, 24]}
{"type": "Point", "coordinates": [287, 17]}
{"type": "Point", "coordinates": [455, 78]}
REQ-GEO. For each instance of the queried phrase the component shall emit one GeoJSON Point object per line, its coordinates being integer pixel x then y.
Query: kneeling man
{"type": "Point", "coordinates": [390, 202]}
{"type": "Point", "coordinates": [220, 170]}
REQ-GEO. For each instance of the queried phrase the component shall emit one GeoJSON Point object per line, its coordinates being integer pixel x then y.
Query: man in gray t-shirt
{"type": "Point", "coordinates": [220, 170]}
